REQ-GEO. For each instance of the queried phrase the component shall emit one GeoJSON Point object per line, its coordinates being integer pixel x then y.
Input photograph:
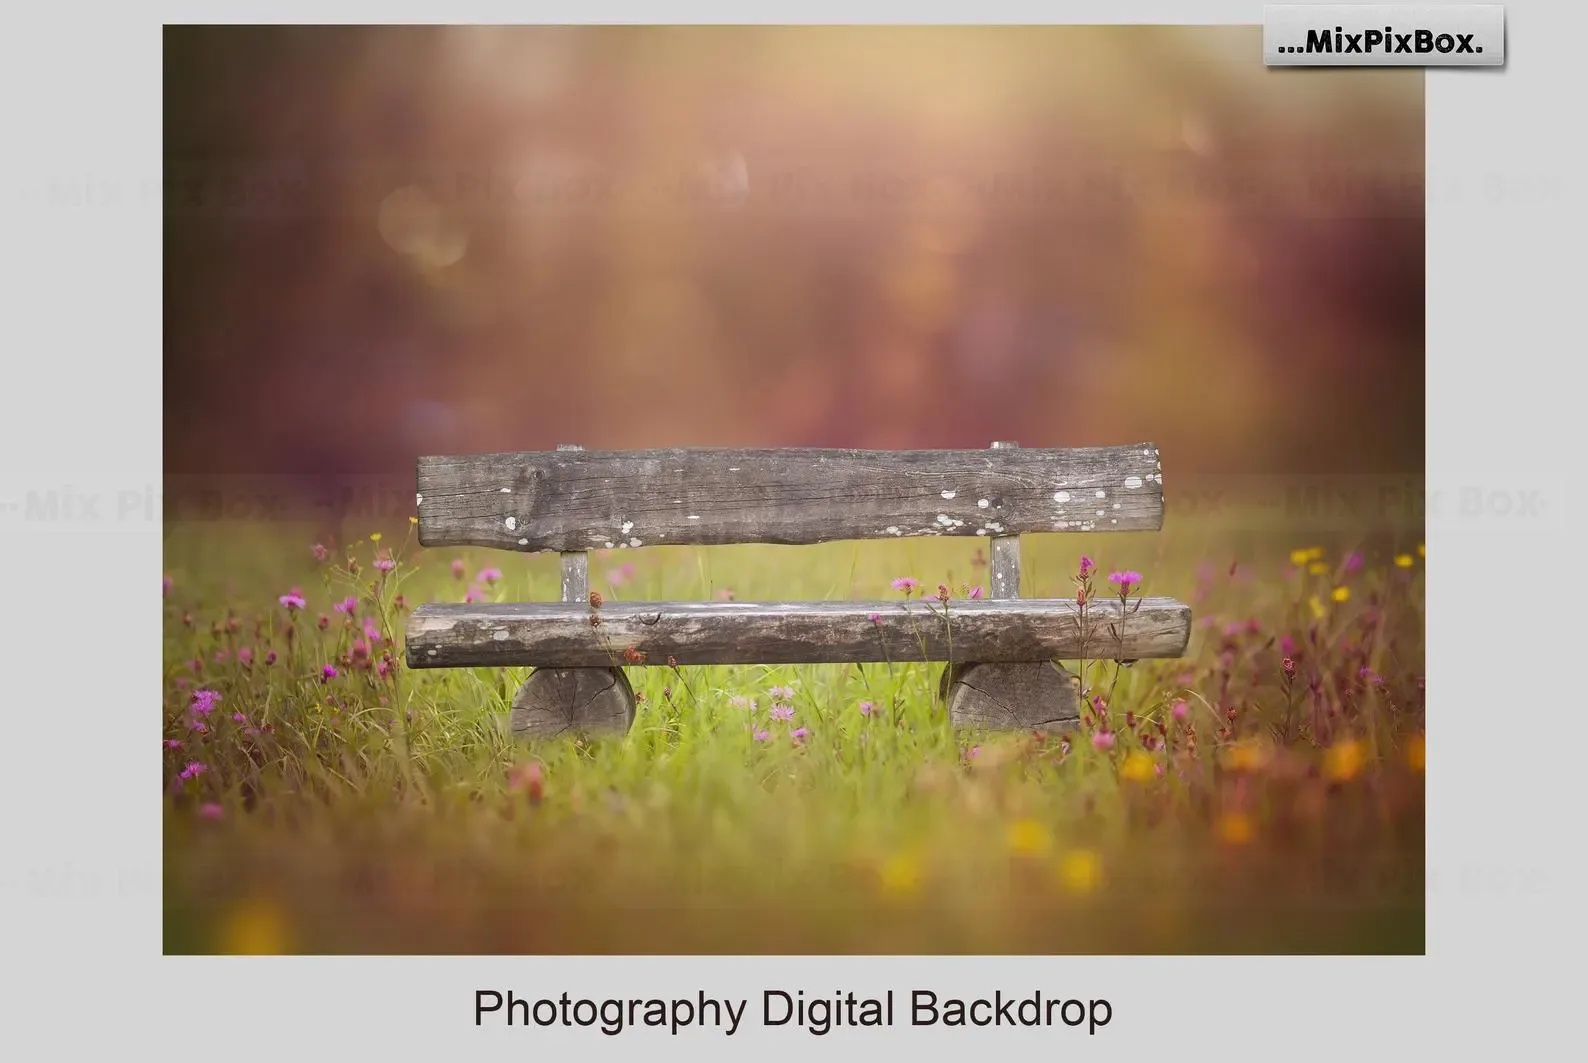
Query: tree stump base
{"type": "Point", "coordinates": [556, 701]}
{"type": "Point", "coordinates": [1034, 696]}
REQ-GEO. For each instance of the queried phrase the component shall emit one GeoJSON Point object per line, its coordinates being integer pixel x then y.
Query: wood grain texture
{"type": "Point", "coordinates": [554, 701]}
{"type": "Point", "coordinates": [586, 500]}
{"type": "Point", "coordinates": [561, 635]}
{"type": "Point", "coordinates": [1034, 696]}
{"type": "Point", "coordinates": [1003, 556]}
{"type": "Point", "coordinates": [575, 563]}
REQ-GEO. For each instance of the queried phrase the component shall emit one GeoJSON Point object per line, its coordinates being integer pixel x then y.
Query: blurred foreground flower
{"type": "Point", "coordinates": [1138, 767]}
{"type": "Point", "coordinates": [255, 927]}
{"type": "Point", "coordinates": [1416, 754]}
{"type": "Point", "coordinates": [1080, 871]}
{"type": "Point", "coordinates": [1343, 762]}
{"type": "Point", "coordinates": [900, 875]}
{"type": "Point", "coordinates": [1027, 837]}
{"type": "Point", "coordinates": [528, 779]}
{"type": "Point", "coordinates": [1236, 828]}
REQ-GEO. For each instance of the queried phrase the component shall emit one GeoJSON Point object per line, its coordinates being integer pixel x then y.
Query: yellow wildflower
{"type": "Point", "coordinates": [1404, 561]}
{"type": "Point", "coordinates": [374, 537]}
{"type": "Point", "coordinates": [1138, 767]}
{"type": "Point", "coordinates": [254, 928]}
{"type": "Point", "coordinates": [1028, 838]}
{"type": "Point", "coordinates": [901, 874]}
{"type": "Point", "coordinates": [1236, 828]}
{"type": "Point", "coordinates": [1341, 594]}
{"type": "Point", "coordinates": [1421, 550]}
{"type": "Point", "coordinates": [1246, 755]}
{"type": "Point", "coordinates": [1080, 871]}
{"type": "Point", "coordinates": [1317, 568]}
{"type": "Point", "coordinates": [1318, 612]}
{"type": "Point", "coordinates": [1301, 557]}
{"type": "Point", "coordinates": [413, 520]}
{"type": "Point", "coordinates": [1343, 761]}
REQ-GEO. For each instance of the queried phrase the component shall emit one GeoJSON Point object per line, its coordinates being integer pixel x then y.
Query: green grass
{"type": "Point", "coordinates": [392, 814]}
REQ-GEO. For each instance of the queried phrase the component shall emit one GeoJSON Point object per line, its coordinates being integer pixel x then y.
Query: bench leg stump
{"type": "Point", "coordinates": [1034, 696]}
{"type": "Point", "coordinates": [553, 701]}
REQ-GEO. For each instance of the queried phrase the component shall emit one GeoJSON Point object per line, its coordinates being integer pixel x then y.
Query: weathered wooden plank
{"type": "Point", "coordinates": [1003, 556]}
{"type": "Point", "coordinates": [1034, 696]}
{"type": "Point", "coordinates": [558, 500]}
{"type": "Point", "coordinates": [555, 701]}
{"type": "Point", "coordinates": [562, 635]}
{"type": "Point", "coordinates": [575, 563]}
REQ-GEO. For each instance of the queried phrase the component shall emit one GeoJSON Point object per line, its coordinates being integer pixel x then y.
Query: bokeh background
{"type": "Point", "coordinates": [382, 242]}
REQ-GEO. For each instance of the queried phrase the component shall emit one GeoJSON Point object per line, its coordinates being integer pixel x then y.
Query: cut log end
{"type": "Point", "coordinates": [566, 701]}
{"type": "Point", "coordinates": [1035, 696]}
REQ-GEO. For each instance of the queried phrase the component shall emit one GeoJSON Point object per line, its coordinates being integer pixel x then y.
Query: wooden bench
{"type": "Point", "coordinates": [1002, 650]}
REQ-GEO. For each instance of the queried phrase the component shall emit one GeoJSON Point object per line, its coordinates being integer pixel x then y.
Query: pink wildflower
{"type": "Point", "coordinates": [489, 575]}
{"type": "Point", "coordinates": [320, 552]}
{"type": "Point", "coordinates": [1126, 580]}
{"type": "Point", "coordinates": [781, 693]}
{"type": "Point", "coordinates": [210, 810]}
{"type": "Point", "coordinates": [782, 712]}
{"type": "Point", "coordinates": [798, 733]}
{"type": "Point", "coordinates": [371, 630]}
{"type": "Point", "coordinates": [238, 717]}
{"type": "Point", "coordinates": [173, 743]}
{"type": "Point", "coordinates": [458, 571]}
{"type": "Point", "coordinates": [975, 592]}
{"type": "Point", "coordinates": [245, 656]}
{"type": "Point", "coordinates": [739, 701]}
{"type": "Point", "coordinates": [474, 594]}
{"type": "Point", "coordinates": [270, 657]}
{"type": "Point", "coordinates": [385, 564]}
{"type": "Point", "coordinates": [328, 672]}
{"type": "Point", "coordinates": [1353, 562]}
{"type": "Point", "coordinates": [762, 736]}
{"type": "Point", "coordinates": [204, 702]}
{"type": "Point", "coordinates": [1179, 710]}
{"type": "Point", "coordinates": [875, 618]}
{"type": "Point", "coordinates": [292, 600]}
{"type": "Point", "coordinates": [347, 605]}
{"type": "Point", "coordinates": [906, 585]}
{"type": "Point", "coordinates": [865, 708]}
{"type": "Point", "coordinates": [194, 769]}
{"type": "Point", "coordinates": [975, 751]}
{"type": "Point", "coordinates": [1087, 566]}
{"type": "Point", "coordinates": [1103, 741]}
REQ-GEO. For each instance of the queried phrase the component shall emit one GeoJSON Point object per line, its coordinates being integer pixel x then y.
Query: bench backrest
{"type": "Point", "coordinates": [571, 500]}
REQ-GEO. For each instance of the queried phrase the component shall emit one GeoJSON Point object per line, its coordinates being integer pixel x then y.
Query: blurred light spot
{"type": "Point", "coordinates": [255, 927]}
{"type": "Point", "coordinates": [1080, 871]}
{"type": "Point", "coordinates": [413, 224]}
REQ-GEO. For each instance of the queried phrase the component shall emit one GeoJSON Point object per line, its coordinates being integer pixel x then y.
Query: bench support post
{"type": "Point", "coordinates": [553, 701]}
{"type": "Point", "coordinates": [1034, 696]}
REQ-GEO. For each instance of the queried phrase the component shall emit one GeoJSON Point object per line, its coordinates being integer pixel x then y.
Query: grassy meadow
{"type": "Point", "coordinates": [320, 797]}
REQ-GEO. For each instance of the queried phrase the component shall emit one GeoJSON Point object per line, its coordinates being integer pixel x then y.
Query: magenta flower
{"type": "Point", "coordinates": [975, 592]}
{"type": "Point", "coordinates": [1353, 562]}
{"type": "Point", "coordinates": [198, 725]}
{"type": "Point", "coordinates": [865, 708]}
{"type": "Point", "coordinates": [371, 630]}
{"type": "Point", "coordinates": [270, 657]}
{"type": "Point", "coordinates": [347, 605]}
{"type": "Point", "coordinates": [1103, 741]}
{"type": "Point", "coordinates": [781, 693]}
{"type": "Point", "coordinates": [975, 751]}
{"type": "Point", "coordinates": [320, 553]}
{"type": "Point", "coordinates": [245, 656]}
{"type": "Point", "coordinates": [762, 736]}
{"type": "Point", "coordinates": [616, 577]}
{"type": "Point", "coordinates": [875, 618]}
{"type": "Point", "coordinates": [1179, 710]}
{"type": "Point", "coordinates": [385, 564]}
{"type": "Point", "coordinates": [173, 743]}
{"type": "Point", "coordinates": [474, 594]}
{"type": "Point", "coordinates": [204, 701]}
{"type": "Point", "coordinates": [1087, 565]}
{"type": "Point", "coordinates": [458, 571]}
{"type": "Point", "coordinates": [906, 585]}
{"type": "Point", "coordinates": [193, 770]}
{"type": "Point", "coordinates": [238, 717]}
{"type": "Point", "coordinates": [1126, 580]}
{"type": "Point", "coordinates": [210, 810]}
{"type": "Point", "coordinates": [798, 733]}
{"type": "Point", "coordinates": [383, 668]}
{"type": "Point", "coordinates": [489, 575]}
{"type": "Point", "coordinates": [782, 712]}
{"type": "Point", "coordinates": [328, 672]}
{"type": "Point", "coordinates": [292, 600]}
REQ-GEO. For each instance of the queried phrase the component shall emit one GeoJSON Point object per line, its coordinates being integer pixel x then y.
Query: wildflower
{"type": "Point", "coordinates": [1087, 565]}
{"type": "Point", "coordinates": [900, 874]}
{"type": "Point", "coordinates": [255, 928]}
{"type": "Point", "coordinates": [1404, 561]}
{"type": "Point", "coordinates": [458, 570]}
{"type": "Point", "coordinates": [384, 667]}
{"type": "Point", "coordinates": [975, 751]}
{"type": "Point", "coordinates": [1343, 761]}
{"type": "Point", "coordinates": [1287, 645]}
{"type": "Point", "coordinates": [1080, 871]}
{"type": "Point", "coordinates": [1027, 837]}
{"type": "Point", "coordinates": [1288, 666]}
{"type": "Point", "coordinates": [1421, 551]}
{"type": "Point", "coordinates": [906, 585]}
{"type": "Point", "coordinates": [165, 586]}
{"type": "Point", "coordinates": [1341, 594]}
{"type": "Point", "coordinates": [1103, 741]}
{"type": "Point", "coordinates": [204, 701]}
{"type": "Point", "coordinates": [1353, 562]}
{"type": "Point", "coordinates": [292, 600]}
{"type": "Point", "coordinates": [210, 810]}
{"type": "Point", "coordinates": [875, 618]}
{"type": "Point", "coordinates": [782, 712]}
{"type": "Point", "coordinates": [320, 552]}
{"type": "Point", "coordinates": [739, 701]}
{"type": "Point", "coordinates": [173, 743]}
{"type": "Point", "coordinates": [798, 733]}
{"type": "Point", "coordinates": [781, 693]}
{"type": "Point", "coordinates": [347, 605]}
{"type": "Point", "coordinates": [1179, 710]}
{"type": "Point", "coordinates": [1080, 598]}
{"type": "Point", "coordinates": [322, 622]}
{"type": "Point", "coordinates": [194, 769]}
{"type": "Point", "coordinates": [1245, 756]}
{"type": "Point", "coordinates": [1300, 558]}
{"type": "Point", "coordinates": [238, 717]}
{"type": "Point", "coordinates": [199, 726]}
{"type": "Point", "coordinates": [942, 592]}
{"type": "Point", "coordinates": [474, 594]}
{"type": "Point", "coordinates": [1372, 677]}
{"type": "Point", "coordinates": [489, 575]}
{"type": "Point", "coordinates": [328, 672]}
{"type": "Point", "coordinates": [374, 537]}
{"type": "Point", "coordinates": [529, 779]}
{"type": "Point", "coordinates": [725, 595]}
{"type": "Point", "coordinates": [245, 656]}
{"type": "Point", "coordinates": [1138, 767]}
{"type": "Point", "coordinates": [385, 564]}
{"type": "Point", "coordinates": [1236, 828]}
{"type": "Point", "coordinates": [1317, 568]}
{"type": "Point", "coordinates": [270, 657]}
{"type": "Point", "coordinates": [371, 630]}
{"type": "Point", "coordinates": [634, 656]}
{"type": "Point", "coordinates": [865, 708]}
{"type": "Point", "coordinates": [1318, 611]}
{"type": "Point", "coordinates": [975, 592]}
{"type": "Point", "coordinates": [762, 736]}
{"type": "Point", "coordinates": [1126, 580]}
